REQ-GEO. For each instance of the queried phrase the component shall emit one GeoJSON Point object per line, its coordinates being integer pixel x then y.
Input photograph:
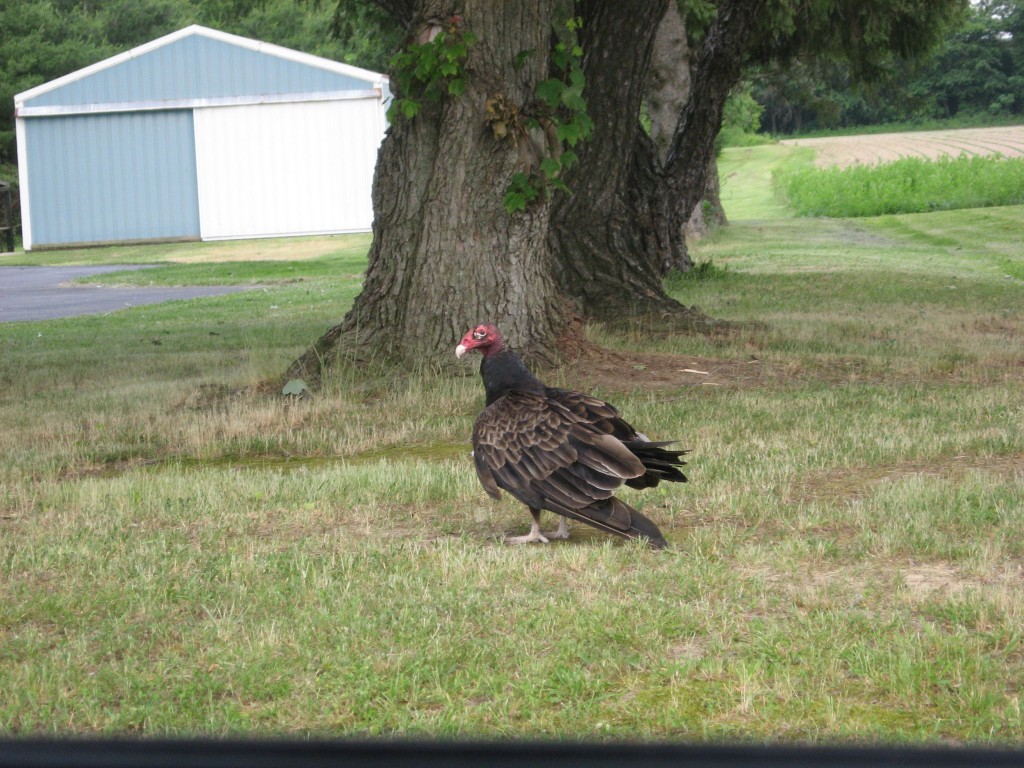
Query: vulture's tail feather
{"type": "Point", "coordinates": [660, 464]}
{"type": "Point", "coordinates": [616, 516]}
{"type": "Point", "coordinates": [643, 527]}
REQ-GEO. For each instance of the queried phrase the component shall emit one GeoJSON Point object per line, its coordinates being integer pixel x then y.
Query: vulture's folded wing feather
{"type": "Point", "coordinates": [536, 449]}
{"type": "Point", "coordinates": [601, 415]}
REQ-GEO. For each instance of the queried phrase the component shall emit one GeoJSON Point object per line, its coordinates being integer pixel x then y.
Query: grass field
{"type": "Point", "coordinates": [184, 553]}
{"type": "Point", "coordinates": [909, 185]}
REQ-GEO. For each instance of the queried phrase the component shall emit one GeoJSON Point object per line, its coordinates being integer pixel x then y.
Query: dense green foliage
{"type": "Point", "coordinates": [977, 71]}
{"type": "Point", "coordinates": [910, 185]}
{"type": "Point", "coordinates": [425, 72]}
{"type": "Point", "coordinates": [560, 114]}
{"type": "Point", "coordinates": [980, 69]}
{"type": "Point", "coordinates": [741, 120]}
{"type": "Point", "coordinates": [45, 39]}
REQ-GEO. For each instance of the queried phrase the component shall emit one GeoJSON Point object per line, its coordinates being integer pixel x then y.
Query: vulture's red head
{"type": "Point", "coordinates": [487, 338]}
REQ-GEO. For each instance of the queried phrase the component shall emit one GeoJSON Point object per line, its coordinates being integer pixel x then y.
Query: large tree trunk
{"type": "Point", "coordinates": [622, 230]}
{"type": "Point", "coordinates": [668, 81]}
{"type": "Point", "coordinates": [445, 253]}
{"type": "Point", "coordinates": [668, 87]}
{"type": "Point", "coordinates": [710, 209]}
{"type": "Point", "coordinates": [716, 70]}
{"type": "Point", "coordinates": [616, 236]}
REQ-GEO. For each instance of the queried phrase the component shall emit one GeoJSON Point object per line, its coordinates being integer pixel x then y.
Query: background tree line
{"type": "Point", "coordinates": [978, 70]}
{"type": "Point", "coordinates": [41, 40]}
{"type": "Point", "coordinates": [975, 74]}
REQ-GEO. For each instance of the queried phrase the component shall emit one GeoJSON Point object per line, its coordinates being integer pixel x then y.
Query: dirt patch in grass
{"type": "Point", "coordinates": [926, 582]}
{"type": "Point", "coordinates": [592, 367]}
{"type": "Point", "coordinates": [612, 370]}
{"type": "Point", "coordinates": [598, 369]}
{"type": "Point", "coordinates": [915, 583]}
{"type": "Point", "coordinates": [931, 579]}
{"type": "Point", "coordinates": [848, 483]}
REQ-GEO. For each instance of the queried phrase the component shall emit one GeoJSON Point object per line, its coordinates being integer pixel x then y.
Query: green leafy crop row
{"type": "Point", "coordinates": [910, 185]}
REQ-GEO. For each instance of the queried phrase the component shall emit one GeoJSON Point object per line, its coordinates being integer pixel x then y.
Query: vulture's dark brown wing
{"type": "Point", "coordinates": [660, 464]}
{"type": "Point", "coordinates": [548, 458]}
{"type": "Point", "coordinates": [602, 415]}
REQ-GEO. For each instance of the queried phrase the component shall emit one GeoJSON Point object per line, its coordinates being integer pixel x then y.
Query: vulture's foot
{"type": "Point", "coordinates": [533, 536]}
{"type": "Point", "coordinates": [561, 533]}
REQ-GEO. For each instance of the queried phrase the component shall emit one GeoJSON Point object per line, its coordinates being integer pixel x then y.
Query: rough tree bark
{"type": "Point", "coordinates": [668, 87]}
{"type": "Point", "coordinates": [622, 230]}
{"type": "Point", "coordinates": [716, 70]}
{"type": "Point", "coordinates": [710, 210]}
{"type": "Point", "coordinates": [613, 237]}
{"type": "Point", "coordinates": [668, 81]}
{"type": "Point", "coordinates": [445, 253]}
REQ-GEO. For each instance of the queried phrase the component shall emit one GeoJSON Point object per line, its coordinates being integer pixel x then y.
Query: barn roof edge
{"type": "Point", "coordinates": [269, 49]}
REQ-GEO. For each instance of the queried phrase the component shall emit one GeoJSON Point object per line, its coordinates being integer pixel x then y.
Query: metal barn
{"type": "Point", "coordinates": [199, 135]}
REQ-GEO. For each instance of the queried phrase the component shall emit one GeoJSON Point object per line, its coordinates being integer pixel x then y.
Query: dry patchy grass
{"type": "Point", "coordinates": [184, 552]}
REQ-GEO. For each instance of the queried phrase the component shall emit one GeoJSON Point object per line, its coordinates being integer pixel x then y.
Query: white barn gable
{"type": "Point", "coordinates": [199, 135]}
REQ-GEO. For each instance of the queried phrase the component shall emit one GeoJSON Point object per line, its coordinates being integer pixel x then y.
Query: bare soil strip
{"type": "Point", "coordinates": [843, 151]}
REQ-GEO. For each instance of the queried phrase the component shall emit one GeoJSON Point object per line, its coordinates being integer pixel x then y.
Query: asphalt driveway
{"type": "Point", "coordinates": [45, 293]}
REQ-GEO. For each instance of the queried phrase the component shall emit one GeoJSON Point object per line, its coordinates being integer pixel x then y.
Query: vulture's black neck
{"type": "Point", "coordinates": [504, 371]}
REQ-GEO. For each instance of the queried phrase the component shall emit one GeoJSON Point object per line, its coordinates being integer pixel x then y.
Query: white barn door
{"type": "Point", "coordinates": [269, 170]}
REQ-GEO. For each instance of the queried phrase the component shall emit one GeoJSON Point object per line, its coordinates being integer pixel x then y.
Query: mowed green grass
{"type": "Point", "coordinates": [184, 552]}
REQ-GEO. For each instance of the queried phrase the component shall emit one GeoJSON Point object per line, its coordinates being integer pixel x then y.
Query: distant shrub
{"type": "Point", "coordinates": [741, 121]}
{"type": "Point", "coordinates": [910, 185]}
{"type": "Point", "coordinates": [9, 174]}
{"type": "Point", "coordinates": [734, 137]}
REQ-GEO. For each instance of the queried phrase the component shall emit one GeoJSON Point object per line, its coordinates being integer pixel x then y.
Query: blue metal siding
{"type": "Point", "coordinates": [112, 177]}
{"type": "Point", "coordinates": [196, 67]}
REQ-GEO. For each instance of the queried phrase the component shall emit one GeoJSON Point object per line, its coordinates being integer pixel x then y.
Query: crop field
{"type": "Point", "coordinates": [843, 151]}
{"type": "Point", "coordinates": [908, 185]}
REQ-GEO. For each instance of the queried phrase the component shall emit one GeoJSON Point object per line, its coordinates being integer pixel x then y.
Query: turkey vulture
{"type": "Point", "coordinates": [560, 450]}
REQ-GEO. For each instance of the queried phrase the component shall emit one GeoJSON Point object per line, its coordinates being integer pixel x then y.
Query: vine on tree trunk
{"type": "Point", "coordinates": [428, 70]}
{"type": "Point", "coordinates": [543, 130]}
